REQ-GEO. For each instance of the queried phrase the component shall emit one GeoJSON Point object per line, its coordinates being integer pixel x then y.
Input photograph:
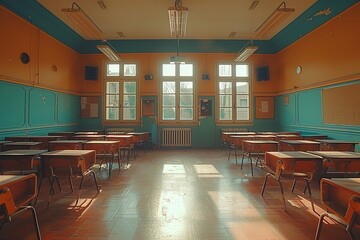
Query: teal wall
{"type": "Point", "coordinates": [33, 111]}
{"type": "Point", "coordinates": [304, 113]}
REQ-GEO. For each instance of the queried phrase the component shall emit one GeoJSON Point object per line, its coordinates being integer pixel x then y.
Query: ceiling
{"type": "Point", "coordinates": [144, 24]}
{"type": "Point", "coordinates": [148, 19]}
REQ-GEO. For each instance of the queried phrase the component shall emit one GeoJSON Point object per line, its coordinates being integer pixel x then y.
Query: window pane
{"type": "Point", "coordinates": [129, 101]}
{"type": "Point", "coordinates": [242, 114]}
{"type": "Point", "coordinates": [129, 70]}
{"type": "Point", "coordinates": [225, 70]}
{"type": "Point", "coordinates": [225, 114]}
{"type": "Point", "coordinates": [168, 87]}
{"type": "Point", "coordinates": [242, 70]}
{"type": "Point", "coordinates": [112, 87]}
{"type": "Point", "coordinates": [113, 69]}
{"type": "Point", "coordinates": [242, 101]}
{"type": "Point", "coordinates": [225, 101]}
{"type": "Point", "coordinates": [186, 114]}
{"type": "Point", "coordinates": [169, 100]}
{"type": "Point", "coordinates": [186, 100]}
{"type": "Point", "coordinates": [129, 113]}
{"type": "Point", "coordinates": [186, 70]}
{"type": "Point", "coordinates": [168, 70]}
{"type": "Point", "coordinates": [129, 87]}
{"type": "Point", "coordinates": [186, 87]}
{"type": "Point", "coordinates": [169, 113]}
{"type": "Point", "coordinates": [112, 113]}
{"type": "Point", "coordinates": [242, 87]}
{"type": "Point", "coordinates": [225, 87]}
{"type": "Point", "coordinates": [112, 100]}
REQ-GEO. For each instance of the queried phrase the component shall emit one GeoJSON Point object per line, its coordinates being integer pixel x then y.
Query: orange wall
{"type": "Point", "coordinates": [329, 54]}
{"type": "Point", "coordinates": [149, 63]}
{"type": "Point", "coordinates": [45, 52]}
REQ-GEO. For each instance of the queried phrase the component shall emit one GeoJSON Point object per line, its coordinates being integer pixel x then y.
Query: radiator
{"type": "Point", "coordinates": [175, 137]}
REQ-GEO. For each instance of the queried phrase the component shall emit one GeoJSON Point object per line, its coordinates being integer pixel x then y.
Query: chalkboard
{"type": "Point", "coordinates": [341, 105]}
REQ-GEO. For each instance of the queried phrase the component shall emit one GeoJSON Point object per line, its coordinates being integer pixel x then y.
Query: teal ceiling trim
{"type": "Point", "coordinates": [36, 14]}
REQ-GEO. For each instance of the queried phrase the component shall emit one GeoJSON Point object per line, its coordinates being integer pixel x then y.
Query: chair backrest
{"type": "Point", "coordinates": [352, 216]}
{"type": "Point", "coordinates": [7, 203]}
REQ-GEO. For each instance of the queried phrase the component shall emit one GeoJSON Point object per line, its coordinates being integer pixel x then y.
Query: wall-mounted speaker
{"type": "Point", "coordinates": [91, 73]}
{"type": "Point", "coordinates": [263, 73]}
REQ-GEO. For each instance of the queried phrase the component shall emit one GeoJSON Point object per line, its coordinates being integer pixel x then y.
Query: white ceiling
{"type": "Point", "coordinates": [148, 19]}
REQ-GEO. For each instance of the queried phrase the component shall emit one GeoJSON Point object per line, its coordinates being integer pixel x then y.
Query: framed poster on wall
{"type": "Point", "coordinates": [264, 107]}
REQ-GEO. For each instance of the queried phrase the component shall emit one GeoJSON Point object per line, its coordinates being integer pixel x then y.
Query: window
{"type": "Point", "coordinates": [233, 93]}
{"type": "Point", "coordinates": [177, 88]}
{"type": "Point", "coordinates": [120, 92]}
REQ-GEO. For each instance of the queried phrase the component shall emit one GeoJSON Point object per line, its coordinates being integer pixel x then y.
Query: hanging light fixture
{"type": "Point", "coordinates": [272, 23]}
{"type": "Point", "coordinates": [109, 51]}
{"type": "Point", "coordinates": [82, 22]}
{"type": "Point", "coordinates": [246, 52]}
{"type": "Point", "coordinates": [178, 19]}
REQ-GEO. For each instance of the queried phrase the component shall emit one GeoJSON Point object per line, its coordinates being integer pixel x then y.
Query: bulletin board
{"type": "Point", "coordinates": [89, 107]}
{"type": "Point", "coordinates": [264, 107]}
{"type": "Point", "coordinates": [341, 105]}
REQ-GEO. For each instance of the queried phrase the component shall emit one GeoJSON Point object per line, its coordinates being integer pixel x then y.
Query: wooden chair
{"type": "Point", "coordinates": [350, 221]}
{"type": "Point", "coordinates": [8, 209]}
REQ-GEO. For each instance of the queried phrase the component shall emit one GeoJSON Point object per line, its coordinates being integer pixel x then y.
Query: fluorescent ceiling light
{"type": "Point", "coordinates": [82, 23]}
{"type": "Point", "coordinates": [109, 52]}
{"type": "Point", "coordinates": [271, 25]}
{"type": "Point", "coordinates": [178, 19]}
{"type": "Point", "coordinates": [245, 53]}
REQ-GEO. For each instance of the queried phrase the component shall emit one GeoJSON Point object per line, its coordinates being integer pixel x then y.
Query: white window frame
{"type": "Point", "coordinates": [233, 80]}
{"type": "Point", "coordinates": [177, 79]}
{"type": "Point", "coordinates": [121, 79]}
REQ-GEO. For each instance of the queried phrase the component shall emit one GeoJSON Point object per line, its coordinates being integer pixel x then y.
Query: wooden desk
{"type": "Point", "coordinates": [23, 145]}
{"type": "Point", "coordinates": [18, 138]}
{"type": "Point", "coordinates": [264, 137]}
{"type": "Point", "coordinates": [16, 192]}
{"type": "Point", "coordinates": [313, 137]}
{"type": "Point", "coordinates": [257, 148]}
{"type": "Point", "coordinates": [341, 163]}
{"type": "Point", "coordinates": [105, 150]}
{"type": "Point", "coordinates": [20, 160]}
{"type": "Point", "coordinates": [236, 143]}
{"type": "Point", "coordinates": [2, 145]}
{"type": "Point", "coordinates": [336, 145]}
{"type": "Point", "coordinates": [68, 135]}
{"type": "Point", "coordinates": [72, 163]}
{"type": "Point", "coordinates": [126, 144]}
{"type": "Point", "coordinates": [278, 133]}
{"type": "Point", "coordinates": [90, 137]}
{"type": "Point", "coordinates": [87, 133]}
{"type": "Point", "coordinates": [296, 163]}
{"type": "Point", "coordinates": [298, 145]}
{"type": "Point", "coordinates": [66, 145]}
{"type": "Point", "coordinates": [22, 187]}
{"type": "Point", "coordinates": [46, 139]}
{"type": "Point", "coordinates": [287, 137]}
{"type": "Point", "coordinates": [335, 193]}
{"type": "Point", "coordinates": [140, 139]}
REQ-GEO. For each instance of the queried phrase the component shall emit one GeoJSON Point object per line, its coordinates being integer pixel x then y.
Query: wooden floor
{"type": "Point", "coordinates": [177, 194]}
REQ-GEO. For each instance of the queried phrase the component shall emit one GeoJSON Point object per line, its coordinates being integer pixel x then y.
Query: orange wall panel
{"type": "Point", "coordinates": [58, 65]}
{"type": "Point", "coordinates": [15, 39]}
{"type": "Point", "coordinates": [327, 55]}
